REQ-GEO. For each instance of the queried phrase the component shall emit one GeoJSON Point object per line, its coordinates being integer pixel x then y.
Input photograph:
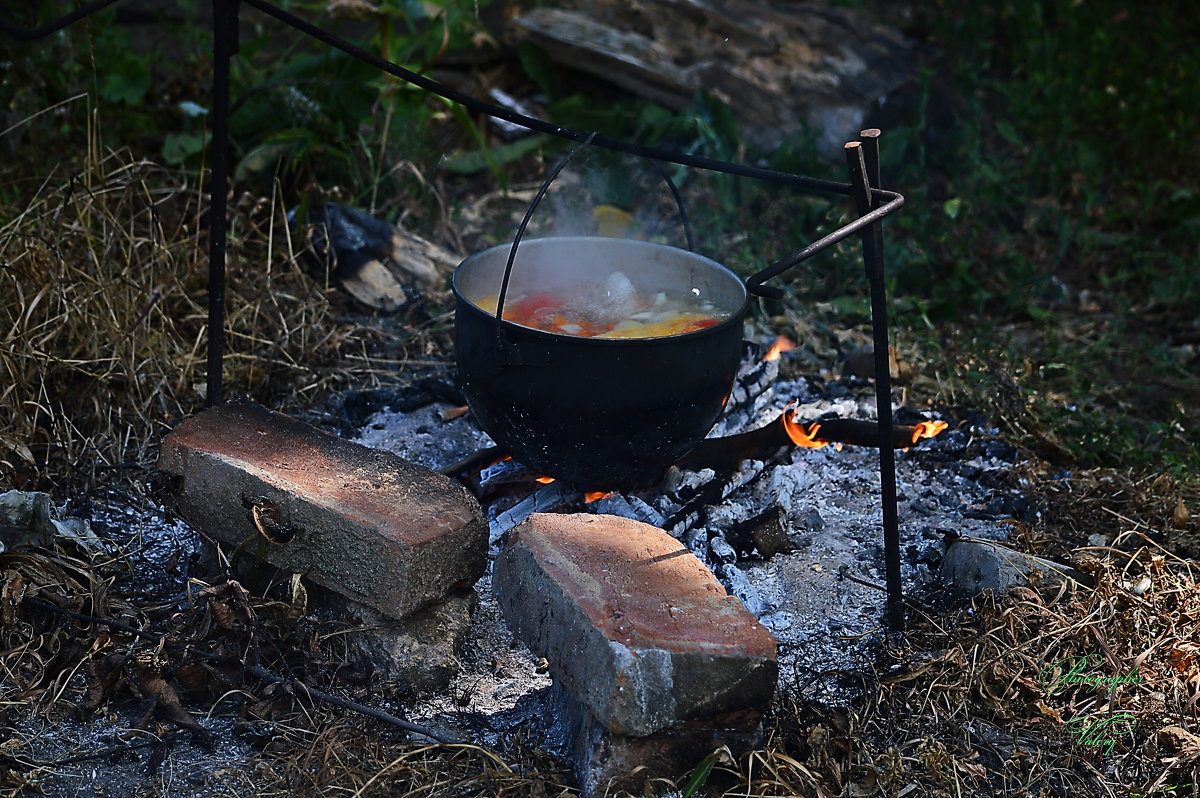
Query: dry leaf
{"type": "Point", "coordinates": [13, 592]}
{"type": "Point", "coordinates": [1182, 516]}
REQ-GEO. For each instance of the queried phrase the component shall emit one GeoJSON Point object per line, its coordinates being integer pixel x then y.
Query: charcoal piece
{"type": "Point", "coordinates": [359, 406]}
{"type": "Point", "coordinates": [813, 521]}
{"type": "Point", "coordinates": [765, 533]}
{"type": "Point", "coordinates": [503, 473]}
{"type": "Point", "coordinates": [722, 550]}
{"type": "Point", "coordinates": [697, 542]}
{"type": "Point", "coordinates": [999, 450]}
{"type": "Point", "coordinates": [738, 584]}
{"type": "Point", "coordinates": [952, 441]}
{"type": "Point", "coordinates": [349, 235]}
{"type": "Point", "coordinates": [769, 533]}
{"type": "Point", "coordinates": [630, 507]}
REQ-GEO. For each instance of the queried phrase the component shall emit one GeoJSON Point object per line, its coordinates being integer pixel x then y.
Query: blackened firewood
{"type": "Point", "coordinates": [760, 444]}
{"type": "Point", "coordinates": [857, 432]}
{"type": "Point", "coordinates": [727, 453]}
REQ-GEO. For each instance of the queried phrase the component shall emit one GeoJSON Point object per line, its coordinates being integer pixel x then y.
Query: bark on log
{"type": "Point", "coordinates": [778, 66]}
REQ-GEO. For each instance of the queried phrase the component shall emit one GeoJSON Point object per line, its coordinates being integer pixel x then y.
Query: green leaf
{"type": "Point", "coordinates": [539, 68]}
{"type": "Point", "coordinates": [127, 81]}
{"type": "Point", "coordinates": [178, 147]}
{"type": "Point", "coordinates": [1008, 132]}
{"type": "Point", "coordinates": [952, 207]}
{"type": "Point", "coordinates": [699, 776]}
{"type": "Point", "coordinates": [475, 161]}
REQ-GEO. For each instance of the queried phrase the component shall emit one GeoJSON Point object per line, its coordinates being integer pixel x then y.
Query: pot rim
{"type": "Point", "coordinates": [736, 317]}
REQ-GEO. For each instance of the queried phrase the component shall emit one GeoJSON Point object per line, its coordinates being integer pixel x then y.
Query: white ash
{"type": "Point", "coordinates": [423, 437]}
{"type": "Point", "coordinates": [191, 769]}
{"type": "Point", "coordinates": [502, 684]}
{"type": "Point", "coordinates": [823, 620]}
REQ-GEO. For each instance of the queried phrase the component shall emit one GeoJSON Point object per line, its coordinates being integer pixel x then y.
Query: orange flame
{"type": "Point", "coordinates": [782, 344]}
{"type": "Point", "coordinates": [801, 436]}
{"type": "Point", "coordinates": [544, 480]}
{"type": "Point", "coordinates": [927, 429]}
{"type": "Point", "coordinates": [596, 495]}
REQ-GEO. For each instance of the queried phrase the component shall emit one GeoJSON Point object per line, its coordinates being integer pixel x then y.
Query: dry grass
{"type": "Point", "coordinates": [976, 703]}
{"type": "Point", "coordinates": [103, 315]}
{"type": "Point", "coordinates": [970, 703]}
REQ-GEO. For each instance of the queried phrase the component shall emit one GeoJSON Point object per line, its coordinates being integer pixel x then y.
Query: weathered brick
{"type": "Point", "coordinates": [632, 624]}
{"type": "Point", "coordinates": [608, 763]}
{"type": "Point", "coordinates": [366, 523]}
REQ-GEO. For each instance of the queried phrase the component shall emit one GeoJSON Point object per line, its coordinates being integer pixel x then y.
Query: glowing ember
{"type": "Point", "coordinates": [805, 437]}
{"type": "Point", "coordinates": [782, 344]}
{"type": "Point", "coordinates": [544, 480]}
{"type": "Point", "coordinates": [927, 429]}
{"type": "Point", "coordinates": [596, 495]}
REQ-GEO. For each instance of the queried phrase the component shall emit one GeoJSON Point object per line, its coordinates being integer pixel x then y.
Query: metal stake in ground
{"type": "Point", "coordinates": [872, 243]}
{"type": "Point", "coordinates": [225, 46]}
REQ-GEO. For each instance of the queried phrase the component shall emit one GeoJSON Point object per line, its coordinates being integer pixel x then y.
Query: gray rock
{"type": "Point", "coordinates": [975, 565]}
{"type": "Point", "coordinates": [27, 518]}
{"type": "Point", "coordinates": [779, 66]}
{"type": "Point", "coordinates": [419, 652]}
{"type": "Point", "coordinates": [608, 763]}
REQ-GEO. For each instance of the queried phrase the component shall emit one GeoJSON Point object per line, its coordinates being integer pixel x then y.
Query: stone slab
{"type": "Point", "coordinates": [975, 565]}
{"type": "Point", "coordinates": [363, 522]}
{"type": "Point", "coordinates": [631, 623]}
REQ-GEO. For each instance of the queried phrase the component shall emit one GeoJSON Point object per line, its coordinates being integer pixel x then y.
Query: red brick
{"type": "Point", "coordinates": [632, 624]}
{"type": "Point", "coordinates": [363, 522]}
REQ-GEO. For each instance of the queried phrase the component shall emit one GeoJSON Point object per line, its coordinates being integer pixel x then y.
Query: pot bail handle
{"type": "Point", "coordinates": [512, 252]}
{"type": "Point", "coordinates": [510, 354]}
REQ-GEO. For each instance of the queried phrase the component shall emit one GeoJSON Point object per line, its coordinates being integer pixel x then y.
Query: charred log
{"type": "Point", "coordinates": [763, 443]}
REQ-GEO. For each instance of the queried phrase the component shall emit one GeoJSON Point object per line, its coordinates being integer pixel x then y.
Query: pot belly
{"type": "Point", "coordinates": [599, 417]}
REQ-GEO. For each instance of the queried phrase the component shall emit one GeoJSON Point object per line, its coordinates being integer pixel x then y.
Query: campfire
{"type": "Point", "coordinates": [734, 500]}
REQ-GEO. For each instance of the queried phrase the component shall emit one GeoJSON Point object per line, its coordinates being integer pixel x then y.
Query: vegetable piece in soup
{"type": "Point", "coordinates": [612, 309]}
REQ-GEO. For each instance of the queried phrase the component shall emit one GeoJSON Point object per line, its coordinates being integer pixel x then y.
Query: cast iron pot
{"type": "Point", "coordinates": [598, 413]}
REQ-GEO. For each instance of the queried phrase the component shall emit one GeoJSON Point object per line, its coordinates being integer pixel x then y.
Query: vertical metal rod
{"type": "Point", "coordinates": [225, 21]}
{"type": "Point", "coordinates": [872, 243]}
{"type": "Point", "coordinates": [870, 151]}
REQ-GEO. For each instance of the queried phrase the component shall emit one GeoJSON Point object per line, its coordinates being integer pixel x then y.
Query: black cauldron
{"type": "Point", "coordinates": [598, 413]}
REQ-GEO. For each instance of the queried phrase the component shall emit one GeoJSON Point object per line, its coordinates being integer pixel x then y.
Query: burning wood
{"type": "Point", "coordinates": [761, 443]}
{"type": "Point", "coordinates": [856, 432]}
{"type": "Point", "coordinates": [778, 347]}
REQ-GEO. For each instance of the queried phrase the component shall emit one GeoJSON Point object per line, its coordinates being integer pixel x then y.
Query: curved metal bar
{"type": "Point", "coordinates": [42, 31]}
{"type": "Point", "coordinates": [754, 284]}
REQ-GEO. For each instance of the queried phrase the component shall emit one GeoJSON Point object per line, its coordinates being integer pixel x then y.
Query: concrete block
{"type": "Point", "coordinates": [631, 623]}
{"type": "Point", "coordinates": [365, 523]}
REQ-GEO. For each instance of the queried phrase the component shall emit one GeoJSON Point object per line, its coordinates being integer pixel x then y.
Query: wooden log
{"type": "Point", "coordinates": [760, 444]}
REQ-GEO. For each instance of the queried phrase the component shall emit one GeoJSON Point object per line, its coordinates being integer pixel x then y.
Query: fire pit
{"type": "Point", "coordinates": [790, 530]}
